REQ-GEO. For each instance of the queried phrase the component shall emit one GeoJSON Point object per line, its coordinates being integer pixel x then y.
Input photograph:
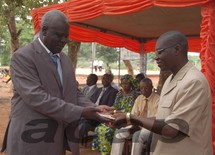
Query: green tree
{"type": "Point", "coordinates": [13, 11]}
{"type": "Point", "coordinates": [4, 56]}
{"type": "Point", "coordinates": [15, 14]}
{"type": "Point", "coordinates": [150, 57]}
{"type": "Point", "coordinates": [4, 46]}
{"type": "Point", "coordinates": [27, 34]}
{"type": "Point", "coordinates": [195, 60]}
{"type": "Point", "coordinates": [86, 51]}
{"type": "Point", "coordinates": [107, 54]}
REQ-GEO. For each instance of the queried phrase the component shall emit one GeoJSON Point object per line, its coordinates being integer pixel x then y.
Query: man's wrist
{"type": "Point", "coordinates": [128, 118]}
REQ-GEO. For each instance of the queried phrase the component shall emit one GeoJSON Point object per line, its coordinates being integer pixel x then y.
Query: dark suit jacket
{"type": "Point", "coordinates": [107, 98]}
{"type": "Point", "coordinates": [41, 108]}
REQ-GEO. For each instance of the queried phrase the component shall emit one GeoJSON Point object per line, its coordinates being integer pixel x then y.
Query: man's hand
{"type": "Point", "coordinates": [92, 113]}
{"type": "Point", "coordinates": [133, 129]}
{"type": "Point", "coordinates": [120, 120]}
{"type": "Point", "coordinates": [105, 109]}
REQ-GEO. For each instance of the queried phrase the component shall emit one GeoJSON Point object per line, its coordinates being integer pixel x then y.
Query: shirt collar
{"type": "Point", "coordinates": [47, 50]}
{"type": "Point", "coordinates": [105, 88]}
{"type": "Point", "coordinates": [92, 86]}
{"type": "Point", "coordinates": [148, 98]}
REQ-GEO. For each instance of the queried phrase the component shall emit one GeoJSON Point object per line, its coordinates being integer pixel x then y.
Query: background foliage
{"type": "Point", "coordinates": [16, 27]}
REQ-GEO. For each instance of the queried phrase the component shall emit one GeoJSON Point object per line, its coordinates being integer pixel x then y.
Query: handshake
{"type": "Point", "coordinates": [117, 119]}
{"type": "Point", "coordinates": [108, 115]}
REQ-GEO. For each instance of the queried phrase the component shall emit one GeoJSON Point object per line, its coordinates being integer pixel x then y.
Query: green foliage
{"type": "Point", "coordinates": [104, 53]}
{"type": "Point", "coordinates": [86, 51]}
{"type": "Point", "coordinates": [85, 55]}
{"type": "Point", "coordinates": [21, 10]}
{"type": "Point", "coordinates": [195, 60]}
{"type": "Point", "coordinates": [27, 34]}
{"type": "Point", "coordinates": [107, 54]}
{"type": "Point", "coordinates": [4, 46]}
{"type": "Point", "coordinates": [151, 57]}
{"type": "Point", "coordinates": [4, 55]}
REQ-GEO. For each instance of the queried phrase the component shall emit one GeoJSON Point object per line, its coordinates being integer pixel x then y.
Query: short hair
{"type": "Point", "coordinates": [53, 15]}
{"type": "Point", "coordinates": [140, 76]}
{"type": "Point", "coordinates": [176, 37]}
{"type": "Point", "coordinates": [147, 80]}
{"type": "Point", "coordinates": [94, 77]}
{"type": "Point", "coordinates": [108, 75]}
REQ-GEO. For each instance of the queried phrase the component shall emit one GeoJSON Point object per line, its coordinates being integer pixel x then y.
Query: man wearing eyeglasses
{"type": "Point", "coordinates": [183, 122]}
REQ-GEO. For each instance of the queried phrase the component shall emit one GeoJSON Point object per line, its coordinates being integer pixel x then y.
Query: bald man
{"type": "Point", "coordinates": [183, 122]}
{"type": "Point", "coordinates": [46, 105]}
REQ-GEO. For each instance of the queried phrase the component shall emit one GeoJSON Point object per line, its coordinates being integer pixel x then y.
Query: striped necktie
{"type": "Point", "coordinates": [56, 61]}
{"type": "Point", "coordinates": [146, 107]}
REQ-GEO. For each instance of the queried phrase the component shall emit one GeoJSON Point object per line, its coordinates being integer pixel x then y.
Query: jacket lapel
{"type": "Point", "coordinates": [172, 82]}
{"type": "Point", "coordinates": [47, 60]}
{"type": "Point", "coordinates": [85, 90]}
{"type": "Point", "coordinates": [91, 91]}
{"type": "Point", "coordinates": [68, 75]}
{"type": "Point", "coordinates": [63, 66]}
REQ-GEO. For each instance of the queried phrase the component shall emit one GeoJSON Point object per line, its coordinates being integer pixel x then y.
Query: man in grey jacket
{"type": "Point", "coordinates": [46, 105]}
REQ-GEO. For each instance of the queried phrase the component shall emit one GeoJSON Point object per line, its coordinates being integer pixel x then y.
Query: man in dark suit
{"type": "Point", "coordinates": [91, 86]}
{"type": "Point", "coordinates": [103, 96]}
{"type": "Point", "coordinates": [46, 105]}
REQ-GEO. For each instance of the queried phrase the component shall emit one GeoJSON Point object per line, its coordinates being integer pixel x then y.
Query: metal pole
{"type": "Point", "coordinates": [119, 66]}
{"type": "Point", "coordinates": [143, 60]}
{"type": "Point", "coordinates": [93, 55]}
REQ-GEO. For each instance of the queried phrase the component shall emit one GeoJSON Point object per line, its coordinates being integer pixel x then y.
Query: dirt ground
{"type": "Point", "coordinates": [5, 96]}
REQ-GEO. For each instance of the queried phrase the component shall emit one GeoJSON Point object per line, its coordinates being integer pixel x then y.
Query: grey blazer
{"type": "Point", "coordinates": [42, 110]}
{"type": "Point", "coordinates": [91, 92]}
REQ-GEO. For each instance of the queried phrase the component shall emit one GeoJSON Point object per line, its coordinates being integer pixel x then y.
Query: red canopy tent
{"type": "Point", "coordinates": [135, 25]}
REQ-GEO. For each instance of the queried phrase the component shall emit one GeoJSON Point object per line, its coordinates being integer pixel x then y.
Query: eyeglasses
{"type": "Point", "coordinates": [159, 51]}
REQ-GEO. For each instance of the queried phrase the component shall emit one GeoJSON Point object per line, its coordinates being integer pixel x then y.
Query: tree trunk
{"type": "Point", "coordinates": [162, 78]}
{"type": "Point", "coordinates": [129, 67]}
{"type": "Point", "coordinates": [73, 49]}
{"type": "Point", "coordinates": [14, 35]}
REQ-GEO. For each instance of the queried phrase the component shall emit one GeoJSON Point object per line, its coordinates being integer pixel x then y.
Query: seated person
{"type": "Point", "coordinates": [114, 85]}
{"type": "Point", "coordinates": [103, 96]}
{"type": "Point", "coordinates": [138, 78]}
{"type": "Point", "coordinates": [91, 86]}
{"type": "Point", "coordinates": [146, 106]}
{"type": "Point", "coordinates": [124, 102]}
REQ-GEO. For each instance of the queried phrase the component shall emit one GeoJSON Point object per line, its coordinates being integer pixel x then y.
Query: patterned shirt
{"type": "Point", "coordinates": [124, 103]}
